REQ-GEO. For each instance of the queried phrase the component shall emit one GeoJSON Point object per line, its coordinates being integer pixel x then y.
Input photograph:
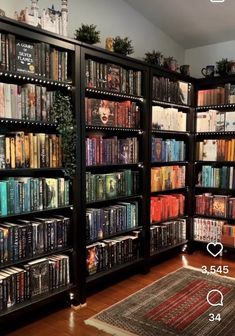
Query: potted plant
{"type": "Point", "coordinates": [154, 57]}
{"type": "Point", "coordinates": [88, 34]}
{"type": "Point", "coordinates": [62, 113]}
{"type": "Point", "coordinates": [122, 45]}
{"type": "Point", "coordinates": [222, 67]}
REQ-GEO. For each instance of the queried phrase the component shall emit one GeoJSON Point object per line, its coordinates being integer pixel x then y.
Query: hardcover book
{"type": "Point", "coordinates": [25, 57]}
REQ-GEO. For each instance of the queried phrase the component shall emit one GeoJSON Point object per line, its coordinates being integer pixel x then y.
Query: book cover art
{"type": "Point", "coordinates": [111, 185]}
{"type": "Point", "coordinates": [220, 206]}
{"type": "Point", "coordinates": [102, 112]}
{"type": "Point", "coordinates": [183, 92]}
{"type": "Point", "coordinates": [51, 191]}
{"type": "Point", "coordinates": [113, 78]}
{"type": "Point", "coordinates": [39, 276]}
{"type": "Point", "coordinates": [25, 57]}
{"type": "Point", "coordinates": [124, 151]}
{"type": "Point", "coordinates": [157, 150]}
{"type": "Point", "coordinates": [92, 260]}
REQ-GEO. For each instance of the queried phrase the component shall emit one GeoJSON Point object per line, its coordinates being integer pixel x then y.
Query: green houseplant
{"type": "Point", "coordinates": [122, 45]}
{"type": "Point", "coordinates": [154, 57]}
{"type": "Point", "coordinates": [63, 115]}
{"type": "Point", "coordinates": [222, 67]}
{"type": "Point", "coordinates": [88, 34]}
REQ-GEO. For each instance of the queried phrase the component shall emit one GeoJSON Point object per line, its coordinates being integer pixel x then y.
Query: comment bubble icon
{"type": "Point", "coordinates": [215, 298]}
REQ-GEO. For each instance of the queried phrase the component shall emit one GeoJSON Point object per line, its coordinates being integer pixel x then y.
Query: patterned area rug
{"type": "Point", "coordinates": [174, 305]}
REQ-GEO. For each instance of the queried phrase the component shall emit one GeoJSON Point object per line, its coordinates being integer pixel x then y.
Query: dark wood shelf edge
{"type": "Point", "coordinates": [170, 219]}
{"type": "Point", "coordinates": [42, 255]}
{"type": "Point", "coordinates": [41, 298]}
{"type": "Point", "coordinates": [157, 253]}
{"type": "Point", "coordinates": [36, 212]}
{"type": "Point", "coordinates": [101, 275]}
{"type": "Point", "coordinates": [114, 235]}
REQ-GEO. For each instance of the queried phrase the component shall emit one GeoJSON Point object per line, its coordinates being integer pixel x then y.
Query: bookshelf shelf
{"type": "Point", "coordinates": [215, 217]}
{"type": "Point", "coordinates": [168, 248]}
{"type": "Point", "coordinates": [218, 107]}
{"type": "Point", "coordinates": [167, 104]}
{"type": "Point", "coordinates": [169, 191]}
{"type": "Point", "coordinates": [32, 78]}
{"type": "Point", "coordinates": [216, 163]}
{"type": "Point", "coordinates": [170, 219]}
{"type": "Point", "coordinates": [112, 94]}
{"type": "Point", "coordinates": [111, 200]}
{"type": "Point", "coordinates": [114, 235]}
{"type": "Point", "coordinates": [170, 163]}
{"type": "Point", "coordinates": [226, 247]}
{"type": "Point", "coordinates": [116, 166]}
{"type": "Point", "coordinates": [215, 134]}
{"type": "Point", "coordinates": [45, 298]}
{"type": "Point", "coordinates": [113, 129]}
{"type": "Point", "coordinates": [44, 211]}
{"type": "Point", "coordinates": [26, 122]}
{"type": "Point", "coordinates": [41, 255]}
{"type": "Point", "coordinates": [165, 132]}
{"type": "Point", "coordinates": [24, 171]}
{"type": "Point", "coordinates": [214, 190]}
{"type": "Point", "coordinates": [100, 275]}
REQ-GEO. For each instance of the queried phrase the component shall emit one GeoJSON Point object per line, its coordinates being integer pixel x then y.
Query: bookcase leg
{"type": "Point", "coordinates": [190, 249]}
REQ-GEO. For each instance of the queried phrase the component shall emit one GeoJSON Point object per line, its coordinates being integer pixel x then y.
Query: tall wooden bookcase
{"type": "Point", "coordinates": [70, 292]}
{"type": "Point", "coordinates": [218, 97]}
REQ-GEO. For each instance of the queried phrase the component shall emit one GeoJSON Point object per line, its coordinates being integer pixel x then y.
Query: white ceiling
{"type": "Point", "coordinates": [191, 23]}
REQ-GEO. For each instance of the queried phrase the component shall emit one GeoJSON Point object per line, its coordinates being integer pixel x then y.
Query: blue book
{"type": "Point", "coordinates": [3, 198]}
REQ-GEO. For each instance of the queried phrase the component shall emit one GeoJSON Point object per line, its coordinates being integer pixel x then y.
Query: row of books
{"type": "Point", "coordinates": [37, 58]}
{"type": "Point", "coordinates": [105, 186]}
{"type": "Point", "coordinates": [215, 205]}
{"type": "Point", "coordinates": [166, 150]}
{"type": "Point", "coordinates": [103, 222]}
{"type": "Point", "coordinates": [166, 207]}
{"type": "Point", "coordinates": [105, 255]}
{"type": "Point", "coordinates": [26, 238]}
{"type": "Point", "coordinates": [41, 276]}
{"type": "Point", "coordinates": [216, 121]}
{"type": "Point", "coordinates": [106, 151]}
{"type": "Point", "coordinates": [171, 91]}
{"type": "Point", "coordinates": [25, 194]}
{"type": "Point", "coordinates": [166, 178]}
{"type": "Point", "coordinates": [168, 119]}
{"type": "Point", "coordinates": [216, 150]}
{"type": "Point", "coordinates": [217, 96]}
{"type": "Point", "coordinates": [211, 177]}
{"type": "Point", "coordinates": [228, 236]}
{"type": "Point", "coordinates": [106, 76]}
{"type": "Point", "coordinates": [27, 102]}
{"type": "Point", "coordinates": [29, 150]}
{"type": "Point", "coordinates": [208, 230]}
{"type": "Point", "coordinates": [99, 112]}
{"type": "Point", "coordinates": [167, 234]}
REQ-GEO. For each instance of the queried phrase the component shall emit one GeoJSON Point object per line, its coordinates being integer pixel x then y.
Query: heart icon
{"type": "Point", "coordinates": [214, 248]}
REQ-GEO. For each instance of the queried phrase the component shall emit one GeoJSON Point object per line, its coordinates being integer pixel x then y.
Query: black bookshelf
{"type": "Point", "coordinates": [141, 133]}
{"type": "Point", "coordinates": [203, 84]}
{"type": "Point", "coordinates": [31, 34]}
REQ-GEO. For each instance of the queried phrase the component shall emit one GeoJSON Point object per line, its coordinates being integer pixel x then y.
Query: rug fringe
{"type": "Point", "coordinates": [114, 331]}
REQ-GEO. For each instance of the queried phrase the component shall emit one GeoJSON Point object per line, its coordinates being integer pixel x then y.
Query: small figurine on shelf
{"type": "Point", "coordinates": [109, 43]}
{"type": "Point", "coordinates": [2, 13]}
{"type": "Point", "coordinates": [51, 19]}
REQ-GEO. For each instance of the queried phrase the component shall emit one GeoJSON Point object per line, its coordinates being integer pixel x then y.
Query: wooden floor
{"type": "Point", "coordinates": [68, 322]}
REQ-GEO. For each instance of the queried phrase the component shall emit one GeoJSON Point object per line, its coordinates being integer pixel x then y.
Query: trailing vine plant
{"type": "Point", "coordinates": [63, 116]}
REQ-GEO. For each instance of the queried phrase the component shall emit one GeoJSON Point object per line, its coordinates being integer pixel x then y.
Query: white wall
{"type": "Point", "coordinates": [112, 17]}
{"type": "Point", "coordinates": [206, 55]}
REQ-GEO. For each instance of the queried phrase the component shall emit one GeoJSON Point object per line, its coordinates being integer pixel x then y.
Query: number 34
{"type": "Point", "coordinates": [213, 317]}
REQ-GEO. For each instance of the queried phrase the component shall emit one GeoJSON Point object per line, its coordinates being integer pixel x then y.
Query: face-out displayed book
{"type": "Point", "coordinates": [102, 112]}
